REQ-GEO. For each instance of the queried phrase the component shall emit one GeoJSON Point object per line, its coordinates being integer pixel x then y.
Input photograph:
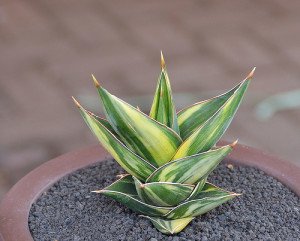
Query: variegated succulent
{"type": "Point", "coordinates": [167, 155]}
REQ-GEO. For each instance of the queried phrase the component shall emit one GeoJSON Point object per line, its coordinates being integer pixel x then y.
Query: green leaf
{"type": "Point", "coordinates": [206, 136]}
{"type": "Point", "coordinates": [164, 194]}
{"type": "Point", "coordinates": [150, 139]}
{"type": "Point", "coordinates": [190, 169]}
{"type": "Point", "coordinates": [131, 162]}
{"type": "Point", "coordinates": [124, 191]}
{"type": "Point", "coordinates": [104, 122]}
{"type": "Point", "coordinates": [209, 198]}
{"type": "Point", "coordinates": [192, 117]}
{"type": "Point", "coordinates": [169, 226]}
{"type": "Point", "coordinates": [163, 109]}
{"type": "Point", "coordinates": [198, 188]}
{"type": "Point", "coordinates": [211, 191]}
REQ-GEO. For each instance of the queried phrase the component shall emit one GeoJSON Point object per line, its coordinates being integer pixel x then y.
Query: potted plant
{"type": "Point", "coordinates": [168, 157]}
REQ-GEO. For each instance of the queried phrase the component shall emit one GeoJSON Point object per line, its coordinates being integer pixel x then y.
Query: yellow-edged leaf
{"type": "Point", "coordinates": [150, 139]}
{"type": "Point", "coordinates": [123, 191]}
{"type": "Point", "coordinates": [192, 117]}
{"type": "Point", "coordinates": [163, 194]}
{"type": "Point", "coordinates": [209, 198]}
{"type": "Point", "coordinates": [132, 163]}
{"type": "Point", "coordinates": [163, 108]}
{"type": "Point", "coordinates": [207, 135]}
{"type": "Point", "coordinates": [190, 169]}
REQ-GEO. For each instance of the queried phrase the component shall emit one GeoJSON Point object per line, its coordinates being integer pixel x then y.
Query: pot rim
{"type": "Point", "coordinates": [16, 204]}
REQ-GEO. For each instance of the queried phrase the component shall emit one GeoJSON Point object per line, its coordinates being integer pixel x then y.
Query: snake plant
{"type": "Point", "coordinates": [167, 155]}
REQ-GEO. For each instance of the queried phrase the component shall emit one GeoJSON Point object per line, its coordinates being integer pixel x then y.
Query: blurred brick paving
{"type": "Point", "coordinates": [48, 49]}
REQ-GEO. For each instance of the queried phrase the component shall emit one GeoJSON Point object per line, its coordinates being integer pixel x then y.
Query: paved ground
{"type": "Point", "coordinates": [48, 49]}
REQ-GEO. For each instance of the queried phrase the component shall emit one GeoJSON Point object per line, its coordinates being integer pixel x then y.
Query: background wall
{"type": "Point", "coordinates": [48, 49]}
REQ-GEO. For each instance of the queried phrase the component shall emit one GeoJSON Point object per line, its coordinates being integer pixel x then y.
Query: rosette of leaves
{"type": "Point", "coordinates": [167, 155]}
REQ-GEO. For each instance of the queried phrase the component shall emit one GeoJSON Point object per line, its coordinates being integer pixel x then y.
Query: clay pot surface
{"type": "Point", "coordinates": [15, 206]}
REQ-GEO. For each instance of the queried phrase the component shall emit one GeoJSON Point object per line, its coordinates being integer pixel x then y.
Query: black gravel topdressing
{"type": "Point", "coordinates": [267, 210]}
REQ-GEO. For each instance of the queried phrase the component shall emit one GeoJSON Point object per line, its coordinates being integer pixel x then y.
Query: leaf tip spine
{"type": "Point", "coordinates": [96, 83]}
{"type": "Point", "coordinates": [250, 75]}
{"type": "Point", "coordinates": [98, 191]}
{"type": "Point", "coordinates": [162, 60]}
{"type": "Point", "coordinates": [236, 194]}
{"type": "Point", "coordinates": [234, 143]}
{"type": "Point", "coordinates": [76, 102]}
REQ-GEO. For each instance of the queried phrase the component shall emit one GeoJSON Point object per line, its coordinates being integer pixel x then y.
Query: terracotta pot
{"type": "Point", "coordinates": [15, 207]}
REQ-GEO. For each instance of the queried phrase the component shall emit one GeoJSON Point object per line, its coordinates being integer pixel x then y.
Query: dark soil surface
{"type": "Point", "coordinates": [267, 210]}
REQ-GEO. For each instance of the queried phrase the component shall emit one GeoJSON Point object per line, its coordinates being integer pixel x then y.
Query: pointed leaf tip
{"type": "Point", "coordinates": [162, 60]}
{"type": "Point", "coordinates": [76, 102]}
{"type": "Point", "coordinates": [236, 194]}
{"type": "Point", "coordinates": [122, 175]}
{"type": "Point", "coordinates": [250, 75]}
{"type": "Point", "coordinates": [97, 191]}
{"type": "Point", "coordinates": [234, 143]}
{"type": "Point", "coordinates": [96, 83]}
